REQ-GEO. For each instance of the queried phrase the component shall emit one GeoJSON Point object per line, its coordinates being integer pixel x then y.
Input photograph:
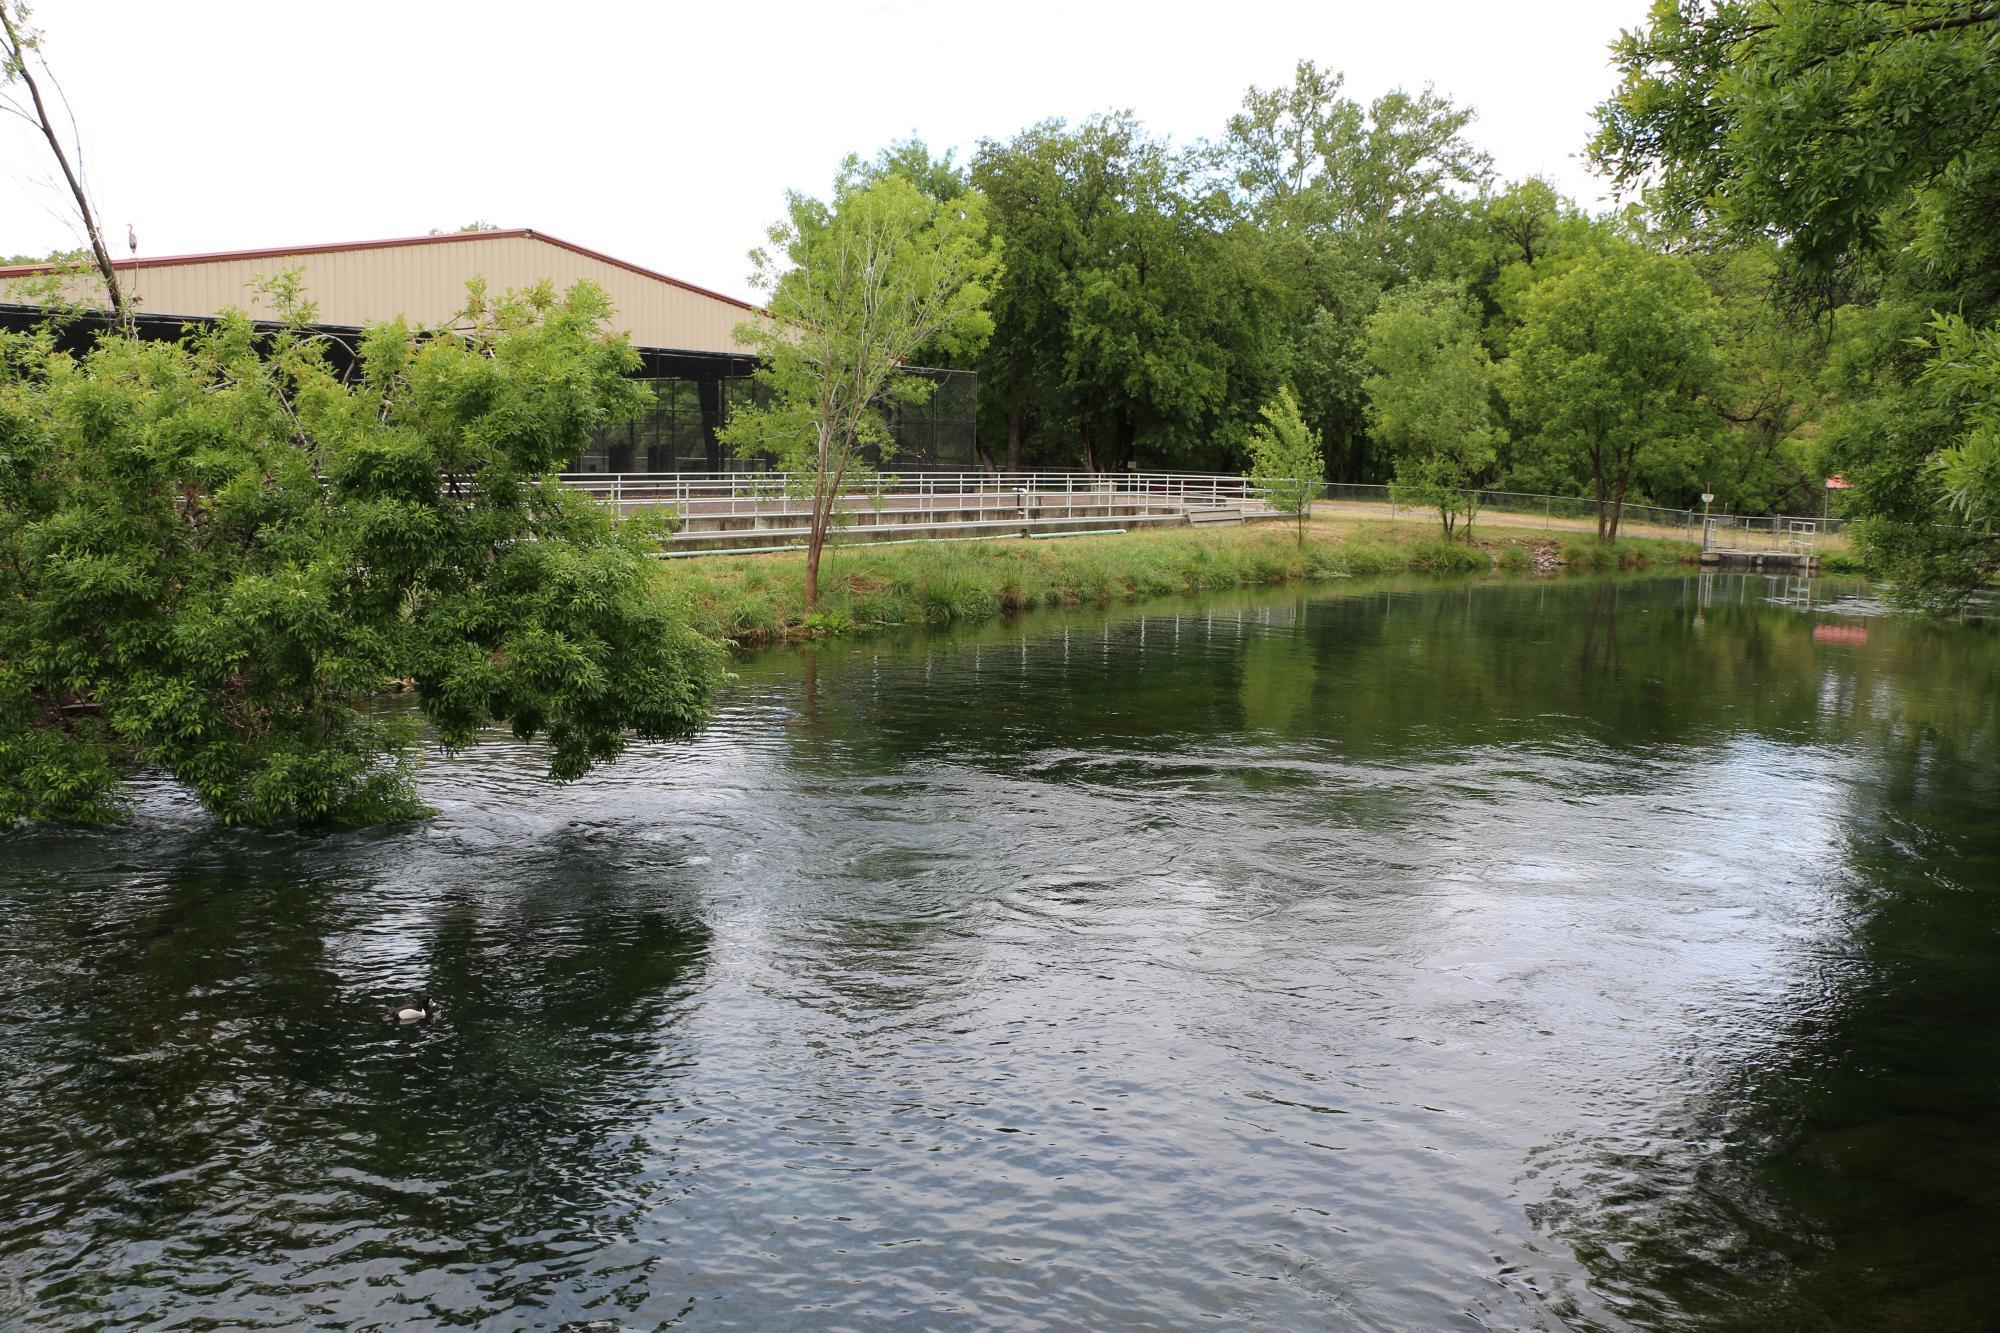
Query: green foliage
{"type": "Point", "coordinates": [760, 599]}
{"type": "Point", "coordinates": [1904, 389]}
{"type": "Point", "coordinates": [1131, 322]}
{"type": "Point", "coordinates": [1448, 557]}
{"type": "Point", "coordinates": [938, 178]}
{"type": "Point", "coordinates": [1626, 553]}
{"type": "Point", "coordinates": [855, 288]}
{"type": "Point", "coordinates": [1430, 398]}
{"type": "Point", "coordinates": [1862, 133]}
{"type": "Point", "coordinates": [1323, 357]}
{"type": "Point", "coordinates": [214, 553]}
{"type": "Point", "coordinates": [1822, 120]}
{"type": "Point", "coordinates": [1285, 460]}
{"type": "Point", "coordinates": [1769, 394]}
{"type": "Point", "coordinates": [1964, 376]}
{"type": "Point", "coordinates": [1337, 201]}
{"type": "Point", "coordinates": [1613, 367]}
{"type": "Point", "coordinates": [1383, 183]}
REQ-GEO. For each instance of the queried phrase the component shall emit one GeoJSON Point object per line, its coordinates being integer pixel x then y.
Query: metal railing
{"type": "Point", "coordinates": [1737, 532]}
{"type": "Point", "coordinates": [764, 494]}
{"type": "Point", "coordinates": [1771, 530]}
{"type": "Point", "coordinates": [927, 496]}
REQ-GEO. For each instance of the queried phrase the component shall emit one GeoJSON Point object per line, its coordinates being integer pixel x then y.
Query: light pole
{"type": "Point", "coordinates": [1706, 496]}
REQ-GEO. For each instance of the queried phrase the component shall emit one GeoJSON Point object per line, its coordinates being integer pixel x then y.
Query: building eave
{"type": "Point", "coordinates": [8, 271]}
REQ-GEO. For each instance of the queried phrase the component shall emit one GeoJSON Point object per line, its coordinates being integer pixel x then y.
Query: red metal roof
{"type": "Point", "coordinates": [168, 261]}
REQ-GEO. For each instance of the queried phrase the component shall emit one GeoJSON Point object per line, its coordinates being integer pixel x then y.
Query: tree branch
{"type": "Point", "coordinates": [17, 52]}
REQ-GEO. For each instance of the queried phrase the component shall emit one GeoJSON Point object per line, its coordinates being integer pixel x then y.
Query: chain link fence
{"type": "Point", "coordinates": [1733, 531]}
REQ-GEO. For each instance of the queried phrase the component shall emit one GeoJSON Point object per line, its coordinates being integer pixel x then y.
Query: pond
{"type": "Point", "coordinates": [1417, 955]}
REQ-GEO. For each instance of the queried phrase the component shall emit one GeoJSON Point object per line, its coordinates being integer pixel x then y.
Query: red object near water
{"type": "Point", "coordinates": [1836, 482]}
{"type": "Point", "coordinates": [1840, 634]}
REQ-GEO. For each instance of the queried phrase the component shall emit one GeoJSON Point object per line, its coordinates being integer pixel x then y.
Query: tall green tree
{"type": "Point", "coordinates": [1862, 136]}
{"type": "Point", "coordinates": [1825, 121]}
{"type": "Point", "coordinates": [1513, 237]}
{"type": "Point", "coordinates": [941, 178]}
{"type": "Point", "coordinates": [1913, 428]}
{"type": "Point", "coordinates": [215, 553]}
{"type": "Point", "coordinates": [855, 287]}
{"type": "Point", "coordinates": [1387, 180]}
{"type": "Point", "coordinates": [1340, 201]}
{"type": "Point", "coordinates": [1430, 398]}
{"type": "Point", "coordinates": [1614, 369]}
{"type": "Point", "coordinates": [1132, 324]}
{"type": "Point", "coordinates": [1770, 395]}
{"type": "Point", "coordinates": [937, 175]}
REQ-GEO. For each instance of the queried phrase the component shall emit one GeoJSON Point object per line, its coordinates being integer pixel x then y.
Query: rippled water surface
{"type": "Point", "coordinates": [1416, 957]}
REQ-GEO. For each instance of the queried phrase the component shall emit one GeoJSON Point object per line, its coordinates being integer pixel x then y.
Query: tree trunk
{"type": "Point", "coordinates": [822, 512]}
{"type": "Point", "coordinates": [812, 567]}
{"type": "Point", "coordinates": [1017, 418]}
{"type": "Point", "coordinates": [1598, 492]}
{"type": "Point", "coordinates": [19, 56]}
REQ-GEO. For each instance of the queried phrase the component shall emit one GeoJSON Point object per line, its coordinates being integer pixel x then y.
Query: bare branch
{"type": "Point", "coordinates": [17, 52]}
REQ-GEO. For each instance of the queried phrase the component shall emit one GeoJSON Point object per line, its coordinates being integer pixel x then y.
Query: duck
{"type": "Point", "coordinates": [416, 1013]}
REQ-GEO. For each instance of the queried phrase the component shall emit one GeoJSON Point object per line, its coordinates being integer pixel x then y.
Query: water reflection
{"type": "Point", "coordinates": [1580, 955]}
{"type": "Point", "coordinates": [205, 1105]}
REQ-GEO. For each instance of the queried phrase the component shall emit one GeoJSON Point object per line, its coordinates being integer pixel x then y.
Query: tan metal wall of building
{"type": "Point", "coordinates": [422, 280]}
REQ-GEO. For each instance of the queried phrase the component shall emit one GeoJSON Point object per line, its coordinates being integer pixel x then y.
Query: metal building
{"type": "Point", "coordinates": [685, 334]}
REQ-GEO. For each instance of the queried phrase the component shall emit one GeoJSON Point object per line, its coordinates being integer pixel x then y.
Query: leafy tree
{"type": "Point", "coordinates": [1387, 179]}
{"type": "Point", "coordinates": [855, 288]}
{"type": "Point", "coordinates": [1430, 398]}
{"type": "Point", "coordinates": [1613, 369]}
{"type": "Point", "coordinates": [1342, 200]}
{"type": "Point", "coordinates": [1132, 322]}
{"type": "Point", "coordinates": [1904, 388]}
{"type": "Point", "coordinates": [214, 553]}
{"type": "Point", "coordinates": [942, 179]}
{"type": "Point", "coordinates": [1822, 120]}
{"type": "Point", "coordinates": [1514, 237]}
{"type": "Point", "coordinates": [1285, 460]}
{"type": "Point", "coordinates": [1769, 394]}
{"type": "Point", "coordinates": [1964, 375]}
{"type": "Point", "coordinates": [1324, 356]}
{"type": "Point", "coordinates": [1862, 135]}
{"type": "Point", "coordinates": [938, 176]}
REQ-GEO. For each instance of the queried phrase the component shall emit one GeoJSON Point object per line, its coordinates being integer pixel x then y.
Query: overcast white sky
{"type": "Point", "coordinates": [666, 133]}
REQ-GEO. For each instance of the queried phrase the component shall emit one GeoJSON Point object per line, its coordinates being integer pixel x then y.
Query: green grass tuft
{"type": "Point", "coordinates": [751, 600]}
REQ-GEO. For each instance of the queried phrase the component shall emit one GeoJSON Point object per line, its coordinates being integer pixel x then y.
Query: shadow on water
{"type": "Point", "coordinates": [1527, 955]}
{"type": "Point", "coordinates": [1837, 1162]}
{"type": "Point", "coordinates": [208, 1103]}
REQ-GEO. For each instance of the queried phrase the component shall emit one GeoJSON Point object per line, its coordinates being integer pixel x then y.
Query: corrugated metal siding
{"type": "Point", "coordinates": [426, 284]}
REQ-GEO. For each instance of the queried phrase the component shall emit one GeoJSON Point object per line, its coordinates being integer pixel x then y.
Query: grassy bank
{"type": "Point", "coordinates": [760, 599]}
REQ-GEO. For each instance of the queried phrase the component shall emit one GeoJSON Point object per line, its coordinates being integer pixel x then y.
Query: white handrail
{"type": "Point", "coordinates": [744, 493]}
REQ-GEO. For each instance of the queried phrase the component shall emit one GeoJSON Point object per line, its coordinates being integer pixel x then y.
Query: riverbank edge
{"type": "Point", "coordinates": [757, 601]}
